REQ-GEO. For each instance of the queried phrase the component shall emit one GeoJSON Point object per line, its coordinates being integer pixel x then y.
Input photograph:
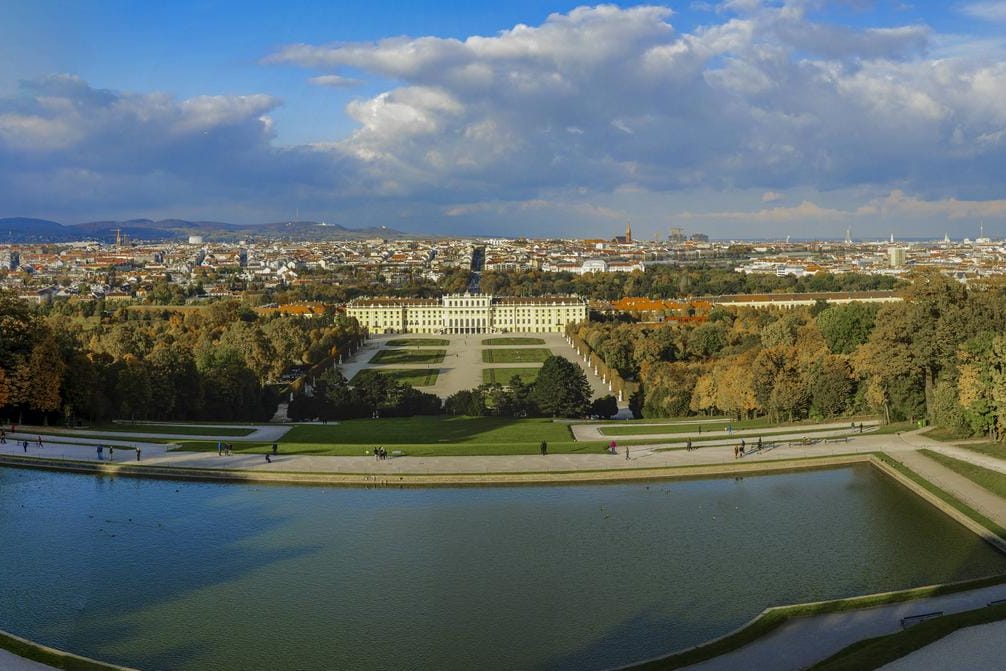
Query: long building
{"type": "Point", "coordinates": [468, 313]}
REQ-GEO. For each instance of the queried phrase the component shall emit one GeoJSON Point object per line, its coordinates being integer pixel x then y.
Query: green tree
{"type": "Point", "coordinates": [561, 389]}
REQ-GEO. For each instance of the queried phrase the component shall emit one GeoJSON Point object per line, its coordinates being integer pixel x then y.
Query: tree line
{"type": "Point", "coordinates": [938, 354]}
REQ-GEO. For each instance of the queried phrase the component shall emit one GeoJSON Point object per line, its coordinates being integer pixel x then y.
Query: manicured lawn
{"type": "Point", "coordinates": [416, 356]}
{"type": "Point", "coordinates": [874, 653]}
{"type": "Point", "coordinates": [719, 428]}
{"type": "Point", "coordinates": [513, 341]}
{"type": "Point", "coordinates": [181, 430]}
{"type": "Point", "coordinates": [994, 481]}
{"type": "Point", "coordinates": [503, 375]}
{"type": "Point", "coordinates": [419, 342]}
{"type": "Point", "coordinates": [943, 434]}
{"type": "Point", "coordinates": [414, 377]}
{"type": "Point", "coordinates": [531, 355]}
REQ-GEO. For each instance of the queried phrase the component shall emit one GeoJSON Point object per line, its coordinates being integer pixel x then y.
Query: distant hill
{"type": "Point", "coordinates": [25, 229]}
{"type": "Point", "coordinates": [21, 229]}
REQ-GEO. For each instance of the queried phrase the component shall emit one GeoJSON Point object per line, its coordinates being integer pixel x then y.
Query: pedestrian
{"type": "Point", "coordinates": [861, 427]}
{"type": "Point", "coordinates": [700, 429]}
{"type": "Point", "coordinates": [26, 446]}
{"type": "Point", "coordinates": [544, 448]}
{"type": "Point", "coordinates": [730, 428]}
{"type": "Point", "coordinates": [742, 448]}
{"type": "Point", "coordinates": [268, 459]}
{"type": "Point", "coordinates": [111, 453]}
{"type": "Point", "coordinates": [220, 448]}
{"type": "Point", "coordinates": [3, 437]}
{"type": "Point", "coordinates": [735, 451]}
{"type": "Point", "coordinates": [688, 445]}
{"type": "Point", "coordinates": [613, 447]}
{"type": "Point", "coordinates": [759, 442]}
{"type": "Point", "coordinates": [626, 452]}
{"type": "Point", "coordinates": [39, 439]}
{"type": "Point", "coordinates": [100, 455]}
{"type": "Point", "coordinates": [137, 454]}
{"type": "Point", "coordinates": [275, 448]}
{"type": "Point", "coordinates": [377, 453]}
{"type": "Point", "coordinates": [743, 445]}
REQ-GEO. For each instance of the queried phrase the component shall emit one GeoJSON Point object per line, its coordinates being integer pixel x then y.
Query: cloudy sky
{"type": "Point", "coordinates": [741, 119]}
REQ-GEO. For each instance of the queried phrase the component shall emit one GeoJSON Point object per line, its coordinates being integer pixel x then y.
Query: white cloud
{"type": "Point", "coordinates": [334, 81]}
{"type": "Point", "coordinates": [991, 10]}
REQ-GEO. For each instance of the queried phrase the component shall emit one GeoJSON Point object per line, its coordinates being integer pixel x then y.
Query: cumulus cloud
{"type": "Point", "coordinates": [989, 10]}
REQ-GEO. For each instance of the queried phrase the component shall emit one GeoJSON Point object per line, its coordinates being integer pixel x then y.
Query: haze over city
{"type": "Point", "coordinates": [741, 119]}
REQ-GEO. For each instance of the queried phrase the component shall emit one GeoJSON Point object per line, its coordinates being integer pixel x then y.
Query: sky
{"type": "Point", "coordinates": [741, 119]}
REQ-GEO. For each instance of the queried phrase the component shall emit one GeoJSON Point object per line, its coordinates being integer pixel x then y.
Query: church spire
{"type": "Point", "coordinates": [628, 231]}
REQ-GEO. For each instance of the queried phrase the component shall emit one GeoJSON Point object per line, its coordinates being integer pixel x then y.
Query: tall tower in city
{"type": "Point", "coordinates": [628, 231]}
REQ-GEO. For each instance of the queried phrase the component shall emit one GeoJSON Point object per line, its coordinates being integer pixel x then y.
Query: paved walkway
{"type": "Point", "coordinates": [595, 431]}
{"type": "Point", "coordinates": [11, 662]}
{"type": "Point", "coordinates": [977, 648]}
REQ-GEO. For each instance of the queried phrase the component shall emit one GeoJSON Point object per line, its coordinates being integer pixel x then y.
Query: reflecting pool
{"type": "Point", "coordinates": [179, 575]}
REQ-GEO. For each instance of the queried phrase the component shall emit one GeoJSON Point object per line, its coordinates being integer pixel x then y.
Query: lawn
{"type": "Point", "coordinates": [503, 375]}
{"type": "Point", "coordinates": [406, 356]}
{"type": "Point", "coordinates": [993, 481]}
{"type": "Point", "coordinates": [719, 428]}
{"type": "Point", "coordinates": [531, 355]}
{"type": "Point", "coordinates": [874, 653]}
{"type": "Point", "coordinates": [418, 342]}
{"type": "Point", "coordinates": [513, 341]}
{"type": "Point", "coordinates": [422, 436]}
{"type": "Point", "coordinates": [414, 377]}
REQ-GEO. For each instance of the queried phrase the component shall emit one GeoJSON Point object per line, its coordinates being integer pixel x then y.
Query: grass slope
{"type": "Point", "coordinates": [181, 430]}
{"type": "Point", "coordinates": [513, 341]}
{"type": "Point", "coordinates": [530, 355]}
{"type": "Point", "coordinates": [993, 481]}
{"type": "Point", "coordinates": [415, 377]}
{"type": "Point", "coordinates": [407, 356]}
{"type": "Point", "coordinates": [418, 342]}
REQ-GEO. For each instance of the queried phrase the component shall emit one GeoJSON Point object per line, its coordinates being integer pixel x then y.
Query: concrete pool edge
{"type": "Point", "coordinates": [129, 469]}
{"type": "Point", "coordinates": [53, 657]}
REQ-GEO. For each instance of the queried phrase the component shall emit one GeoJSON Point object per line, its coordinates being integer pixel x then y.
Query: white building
{"type": "Point", "coordinates": [468, 313]}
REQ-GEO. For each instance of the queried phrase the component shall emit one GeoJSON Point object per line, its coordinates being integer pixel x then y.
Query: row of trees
{"type": "Point", "coordinates": [67, 362]}
{"type": "Point", "coordinates": [937, 354]}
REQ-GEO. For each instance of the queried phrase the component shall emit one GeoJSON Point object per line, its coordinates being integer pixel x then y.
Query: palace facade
{"type": "Point", "coordinates": [468, 313]}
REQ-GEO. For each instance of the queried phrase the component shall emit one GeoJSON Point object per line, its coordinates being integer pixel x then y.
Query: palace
{"type": "Point", "coordinates": [468, 313]}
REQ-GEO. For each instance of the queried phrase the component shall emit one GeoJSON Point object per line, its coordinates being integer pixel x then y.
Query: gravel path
{"type": "Point", "coordinates": [978, 648]}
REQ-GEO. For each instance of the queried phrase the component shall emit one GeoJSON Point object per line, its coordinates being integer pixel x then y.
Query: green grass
{"type": "Point", "coordinates": [994, 481]}
{"type": "Point", "coordinates": [414, 377]}
{"type": "Point", "coordinates": [406, 356]}
{"type": "Point", "coordinates": [944, 496]}
{"type": "Point", "coordinates": [531, 355]}
{"type": "Point", "coordinates": [140, 429]}
{"type": "Point", "coordinates": [719, 429]}
{"type": "Point", "coordinates": [874, 653]}
{"type": "Point", "coordinates": [513, 341]}
{"type": "Point", "coordinates": [774, 618]}
{"type": "Point", "coordinates": [944, 434]}
{"type": "Point", "coordinates": [997, 450]}
{"type": "Point", "coordinates": [53, 658]}
{"type": "Point", "coordinates": [418, 342]}
{"type": "Point", "coordinates": [503, 375]}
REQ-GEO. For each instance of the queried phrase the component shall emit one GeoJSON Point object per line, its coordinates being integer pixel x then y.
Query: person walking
{"type": "Point", "coordinates": [626, 452]}
{"type": "Point", "coordinates": [101, 457]}
{"type": "Point", "coordinates": [220, 448]}
{"type": "Point", "coordinates": [137, 454]}
{"type": "Point", "coordinates": [268, 459]}
{"type": "Point", "coordinates": [688, 445]}
{"type": "Point", "coordinates": [26, 446]}
{"type": "Point", "coordinates": [39, 440]}
{"type": "Point", "coordinates": [111, 453]}
{"type": "Point", "coordinates": [3, 437]}
{"type": "Point", "coordinates": [275, 448]}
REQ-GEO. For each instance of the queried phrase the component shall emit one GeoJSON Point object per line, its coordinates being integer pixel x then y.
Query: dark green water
{"type": "Point", "coordinates": [169, 575]}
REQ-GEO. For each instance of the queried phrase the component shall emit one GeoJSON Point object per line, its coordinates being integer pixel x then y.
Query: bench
{"type": "Point", "coordinates": [397, 453]}
{"type": "Point", "coordinates": [997, 602]}
{"type": "Point", "coordinates": [922, 617]}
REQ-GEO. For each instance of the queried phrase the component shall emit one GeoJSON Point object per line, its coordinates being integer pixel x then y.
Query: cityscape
{"type": "Point", "coordinates": [524, 335]}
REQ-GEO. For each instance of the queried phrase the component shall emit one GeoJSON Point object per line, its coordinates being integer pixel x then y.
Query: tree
{"type": "Point", "coordinates": [604, 407]}
{"type": "Point", "coordinates": [561, 389]}
{"type": "Point", "coordinates": [846, 327]}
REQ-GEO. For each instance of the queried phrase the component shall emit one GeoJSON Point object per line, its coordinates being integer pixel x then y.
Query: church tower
{"type": "Point", "coordinates": [628, 232]}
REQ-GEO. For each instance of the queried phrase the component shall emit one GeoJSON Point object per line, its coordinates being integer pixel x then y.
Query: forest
{"type": "Point", "coordinates": [938, 354]}
{"type": "Point", "coordinates": [69, 362]}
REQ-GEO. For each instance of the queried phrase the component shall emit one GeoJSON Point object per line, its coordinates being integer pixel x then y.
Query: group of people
{"type": "Point", "coordinates": [741, 449]}
{"type": "Point", "coordinates": [224, 449]}
{"type": "Point", "coordinates": [380, 453]}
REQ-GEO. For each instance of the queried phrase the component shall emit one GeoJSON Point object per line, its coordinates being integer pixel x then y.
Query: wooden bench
{"type": "Point", "coordinates": [922, 617]}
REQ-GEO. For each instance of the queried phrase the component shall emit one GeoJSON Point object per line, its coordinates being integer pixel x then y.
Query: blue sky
{"type": "Point", "coordinates": [742, 119]}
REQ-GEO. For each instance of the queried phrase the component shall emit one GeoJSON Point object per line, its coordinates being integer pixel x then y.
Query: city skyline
{"type": "Point", "coordinates": [740, 119]}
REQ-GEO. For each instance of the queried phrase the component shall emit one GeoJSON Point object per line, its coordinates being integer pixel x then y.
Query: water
{"type": "Point", "coordinates": [172, 575]}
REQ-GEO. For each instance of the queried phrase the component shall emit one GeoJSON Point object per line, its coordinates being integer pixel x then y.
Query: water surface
{"type": "Point", "coordinates": [200, 576]}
